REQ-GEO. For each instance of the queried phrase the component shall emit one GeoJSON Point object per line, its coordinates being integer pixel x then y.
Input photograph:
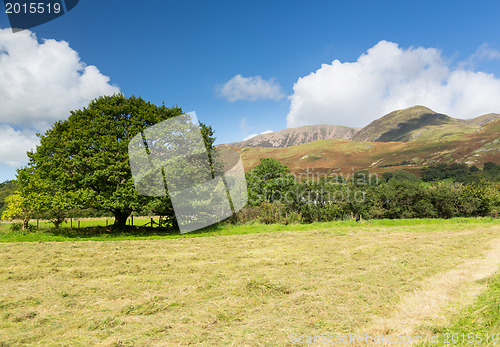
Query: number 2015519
{"type": "Point", "coordinates": [32, 7]}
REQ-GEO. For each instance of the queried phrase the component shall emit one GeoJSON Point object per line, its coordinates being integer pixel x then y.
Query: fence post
{"type": "Point", "coordinates": [71, 223]}
{"type": "Point", "coordinates": [37, 224]}
{"type": "Point", "coordinates": [106, 222]}
{"type": "Point", "coordinates": [78, 224]}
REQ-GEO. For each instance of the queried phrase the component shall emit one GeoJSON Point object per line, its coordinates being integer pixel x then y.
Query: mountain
{"type": "Point", "coordinates": [483, 120]}
{"type": "Point", "coordinates": [411, 139]}
{"type": "Point", "coordinates": [416, 123]}
{"type": "Point", "coordinates": [419, 123]}
{"type": "Point", "coordinates": [296, 136]}
{"type": "Point", "coordinates": [346, 156]}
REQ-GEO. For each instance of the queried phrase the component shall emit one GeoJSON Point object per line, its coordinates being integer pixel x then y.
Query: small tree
{"type": "Point", "coordinates": [6, 188]}
{"type": "Point", "coordinates": [18, 208]}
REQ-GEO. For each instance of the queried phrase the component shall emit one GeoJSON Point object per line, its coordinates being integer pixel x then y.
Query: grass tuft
{"type": "Point", "coordinates": [260, 287]}
{"type": "Point", "coordinates": [157, 304]}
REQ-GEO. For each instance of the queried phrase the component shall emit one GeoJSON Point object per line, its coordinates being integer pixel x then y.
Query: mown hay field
{"type": "Point", "coordinates": [238, 289]}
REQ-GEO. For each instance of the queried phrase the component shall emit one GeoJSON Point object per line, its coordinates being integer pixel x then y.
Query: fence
{"type": "Point", "coordinates": [140, 221]}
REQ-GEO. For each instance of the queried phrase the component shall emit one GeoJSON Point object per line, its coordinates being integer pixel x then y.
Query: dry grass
{"type": "Point", "coordinates": [440, 297]}
{"type": "Point", "coordinates": [252, 289]}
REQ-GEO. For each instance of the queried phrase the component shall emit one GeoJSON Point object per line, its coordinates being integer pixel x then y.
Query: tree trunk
{"type": "Point", "coordinates": [26, 223]}
{"type": "Point", "coordinates": [175, 224]}
{"type": "Point", "coordinates": [121, 217]}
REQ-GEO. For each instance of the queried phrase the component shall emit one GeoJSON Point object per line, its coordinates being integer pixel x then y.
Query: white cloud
{"type": "Point", "coordinates": [250, 88]}
{"type": "Point", "coordinates": [41, 82]}
{"type": "Point", "coordinates": [244, 124]}
{"type": "Point", "coordinates": [484, 52]}
{"type": "Point", "coordinates": [387, 78]}
{"type": "Point", "coordinates": [253, 135]}
{"type": "Point", "coordinates": [14, 144]}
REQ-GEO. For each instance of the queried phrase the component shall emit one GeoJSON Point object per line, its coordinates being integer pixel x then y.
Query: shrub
{"type": "Point", "coordinates": [403, 175]}
{"type": "Point", "coordinates": [398, 199]}
{"type": "Point", "coordinates": [16, 226]}
{"type": "Point", "coordinates": [248, 214]}
{"type": "Point", "coordinates": [277, 212]}
{"type": "Point", "coordinates": [445, 199]}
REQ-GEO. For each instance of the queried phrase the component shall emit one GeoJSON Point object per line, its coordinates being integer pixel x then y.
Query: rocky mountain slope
{"type": "Point", "coordinates": [296, 136]}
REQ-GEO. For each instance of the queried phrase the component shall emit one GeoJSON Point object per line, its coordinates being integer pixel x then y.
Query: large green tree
{"type": "Point", "coordinates": [86, 156]}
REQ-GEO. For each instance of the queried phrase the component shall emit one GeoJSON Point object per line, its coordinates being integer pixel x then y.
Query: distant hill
{"type": "Point", "coordinates": [346, 156]}
{"type": "Point", "coordinates": [418, 123]}
{"type": "Point", "coordinates": [483, 120]}
{"type": "Point", "coordinates": [296, 136]}
{"type": "Point", "coordinates": [409, 139]}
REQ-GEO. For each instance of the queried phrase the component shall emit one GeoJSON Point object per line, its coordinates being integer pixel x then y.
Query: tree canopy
{"type": "Point", "coordinates": [83, 161]}
{"type": "Point", "coordinates": [269, 181]}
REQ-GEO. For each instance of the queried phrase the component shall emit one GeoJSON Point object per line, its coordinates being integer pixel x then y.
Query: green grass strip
{"type": "Point", "coordinates": [101, 233]}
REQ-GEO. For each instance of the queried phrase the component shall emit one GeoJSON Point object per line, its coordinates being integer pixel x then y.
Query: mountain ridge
{"type": "Point", "coordinates": [417, 123]}
{"type": "Point", "coordinates": [411, 139]}
{"type": "Point", "coordinates": [295, 136]}
{"type": "Point", "coordinates": [332, 156]}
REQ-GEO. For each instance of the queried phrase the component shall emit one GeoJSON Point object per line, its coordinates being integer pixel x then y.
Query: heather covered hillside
{"type": "Point", "coordinates": [410, 139]}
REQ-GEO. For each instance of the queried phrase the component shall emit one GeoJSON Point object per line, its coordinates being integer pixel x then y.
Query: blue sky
{"type": "Point", "coordinates": [185, 52]}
